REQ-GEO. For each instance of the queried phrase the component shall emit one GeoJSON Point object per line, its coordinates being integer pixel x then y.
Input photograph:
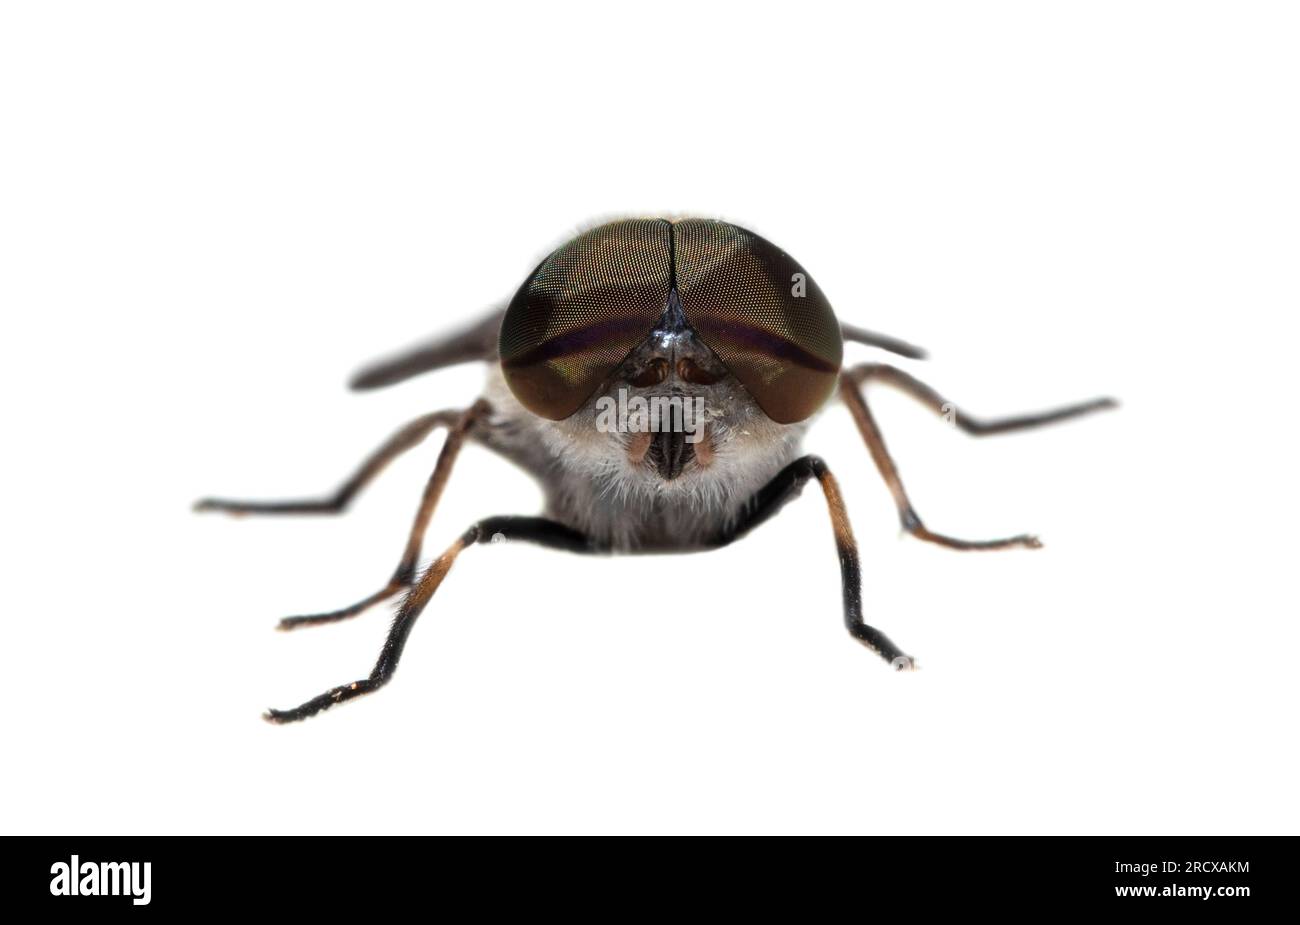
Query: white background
{"type": "Point", "coordinates": [210, 214]}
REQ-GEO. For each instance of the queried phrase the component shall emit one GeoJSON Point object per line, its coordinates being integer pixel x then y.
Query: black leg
{"type": "Point", "coordinates": [782, 489]}
{"type": "Point", "coordinates": [493, 529]}
{"type": "Point", "coordinates": [406, 438]}
{"type": "Point", "coordinates": [851, 384]}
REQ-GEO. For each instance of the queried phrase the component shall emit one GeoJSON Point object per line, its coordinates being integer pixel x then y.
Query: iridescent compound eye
{"type": "Point", "coordinates": [761, 313]}
{"type": "Point", "coordinates": [593, 301]}
{"type": "Point", "coordinates": [583, 311]}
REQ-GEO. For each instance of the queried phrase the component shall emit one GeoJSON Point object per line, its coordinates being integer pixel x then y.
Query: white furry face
{"type": "Point", "coordinates": [606, 484]}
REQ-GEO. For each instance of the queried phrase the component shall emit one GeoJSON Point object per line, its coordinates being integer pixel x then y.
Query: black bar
{"type": "Point", "coordinates": [1174, 875]}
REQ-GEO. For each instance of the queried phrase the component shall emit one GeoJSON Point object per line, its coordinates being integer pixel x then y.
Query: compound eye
{"type": "Point", "coordinates": [582, 311]}
{"type": "Point", "coordinates": [761, 313]}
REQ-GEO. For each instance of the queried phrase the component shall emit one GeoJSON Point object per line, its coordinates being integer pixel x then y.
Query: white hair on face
{"type": "Point", "coordinates": [593, 486]}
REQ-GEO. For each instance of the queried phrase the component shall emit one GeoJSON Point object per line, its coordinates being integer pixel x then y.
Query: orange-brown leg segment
{"type": "Point", "coordinates": [851, 390]}
{"type": "Point", "coordinates": [404, 574]}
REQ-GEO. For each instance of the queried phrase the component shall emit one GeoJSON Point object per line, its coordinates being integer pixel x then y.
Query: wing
{"type": "Point", "coordinates": [478, 342]}
{"type": "Point", "coordinates": [883, 341]}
